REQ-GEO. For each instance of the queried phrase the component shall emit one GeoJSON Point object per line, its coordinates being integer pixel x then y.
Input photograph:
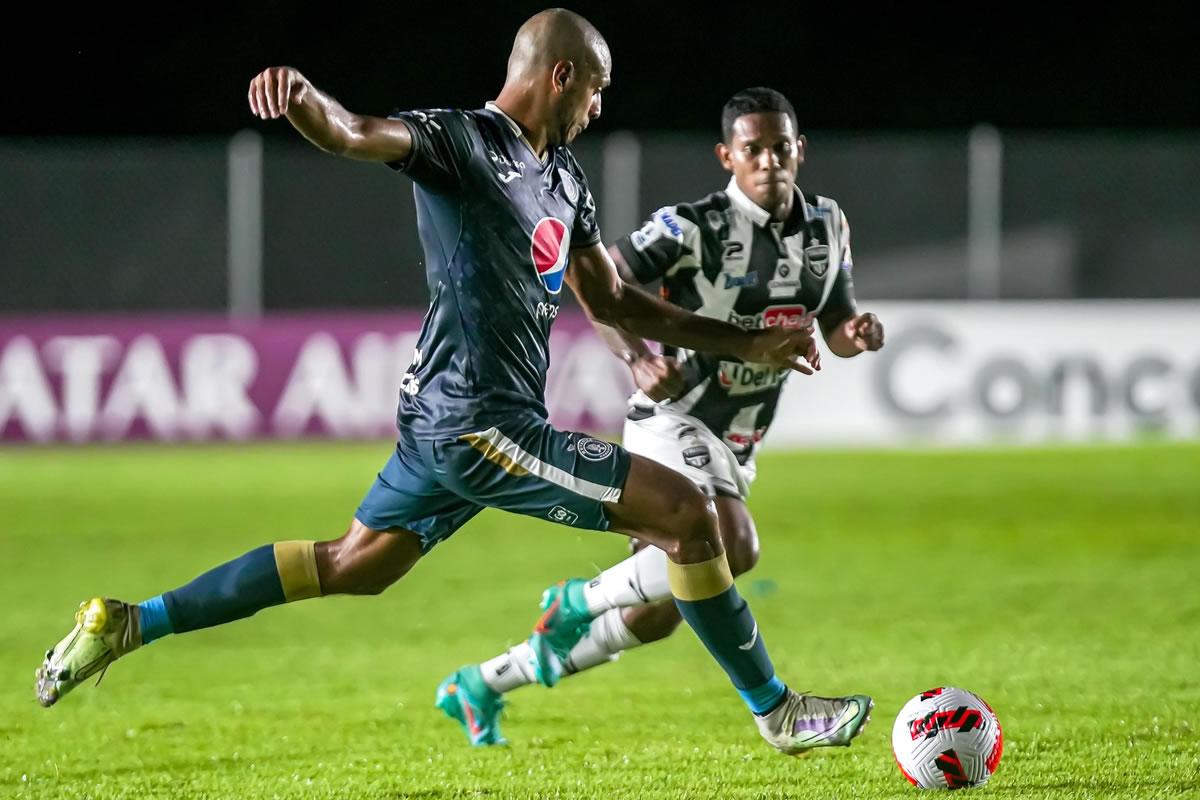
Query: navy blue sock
{"type": "Point", "coordinates": [708, 600]}
{"type": "Point", "coordinates": [264, 577]}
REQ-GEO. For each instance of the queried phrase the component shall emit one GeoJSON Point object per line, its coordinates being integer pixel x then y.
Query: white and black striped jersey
{"type": "Point", "coordinates": [724, 257]}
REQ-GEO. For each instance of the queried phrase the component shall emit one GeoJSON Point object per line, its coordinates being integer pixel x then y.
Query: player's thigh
{"type": "Point", "coordinates": [735, 526]}
{"type": "Point", "coordinates": [664, 508]}
{"type": "Point", "coordinates": [526, 466]}
{"type": "Point", "coordinates": [408, 496]}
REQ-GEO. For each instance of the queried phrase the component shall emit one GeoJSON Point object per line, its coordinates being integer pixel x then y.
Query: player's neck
{"type": "Point", "coordinates": [781, 210]}
{"type": "Point", "coordinates": [521, 109]}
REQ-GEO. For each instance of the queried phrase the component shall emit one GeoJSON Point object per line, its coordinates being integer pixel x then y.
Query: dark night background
{"type": "Point", "coordinates": [847, 66]}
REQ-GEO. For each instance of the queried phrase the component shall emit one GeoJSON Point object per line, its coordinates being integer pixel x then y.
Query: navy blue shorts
{"type": "Point", "coordinates": [432, 487]}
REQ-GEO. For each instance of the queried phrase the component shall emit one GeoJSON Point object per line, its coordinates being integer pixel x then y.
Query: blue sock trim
{"type": "Point", "coordinates": [154, 619]}
{"type": "Point", "coordinates": [762, 699]}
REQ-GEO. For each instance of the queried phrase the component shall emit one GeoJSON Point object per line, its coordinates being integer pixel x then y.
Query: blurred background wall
{"type": "Point", "coordinates": [1022, 194]}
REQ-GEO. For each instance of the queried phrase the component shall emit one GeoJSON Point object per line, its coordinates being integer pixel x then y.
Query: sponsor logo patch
{"type": "Point", "coordinates": [549, 249]}
{"type": "Point", "coordinates": [740, 281]}
{"type": "Point", "coordinates": [789, 316]}
{"type": "Point", "coordinates": [563, 516]}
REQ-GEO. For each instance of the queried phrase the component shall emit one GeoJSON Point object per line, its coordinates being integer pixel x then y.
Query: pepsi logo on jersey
{"type": "Point", "coordinates": [549, 250]}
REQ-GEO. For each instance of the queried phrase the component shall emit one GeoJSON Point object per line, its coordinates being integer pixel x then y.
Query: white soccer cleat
{"type": "Point", "coordinates": [104, 631]}
{"type": "Point", "coordinates": [803, 722]}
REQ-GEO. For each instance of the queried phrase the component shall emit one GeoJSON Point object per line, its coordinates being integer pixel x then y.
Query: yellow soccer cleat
{"type": "Point", "coordinates": [104, 631]}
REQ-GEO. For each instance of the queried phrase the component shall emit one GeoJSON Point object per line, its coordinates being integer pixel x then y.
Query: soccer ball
{"type": "Point", "coordinates": [947, 738]}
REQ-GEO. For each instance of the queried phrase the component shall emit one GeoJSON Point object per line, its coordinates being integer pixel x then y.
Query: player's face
{"type": "Point", "coordinates": [764, 155]}
{"type": "Point", "coordinates": [579, 102]}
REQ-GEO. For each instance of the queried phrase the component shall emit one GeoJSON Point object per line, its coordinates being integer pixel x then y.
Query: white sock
{"type": "Point", "coordinates": [509, 670]}
{"type": "Point", "coordinates": [637, 581]}
{"type": "Point", "coordinates": [607, 637]}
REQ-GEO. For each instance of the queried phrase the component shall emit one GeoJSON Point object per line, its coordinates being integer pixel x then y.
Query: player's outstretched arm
{"type": "Point", "coordinates": [656, 375]}
{"type": "Point", "coordinates": [611, 301]}
{"type": "Point", "coordinates": [284, 92]}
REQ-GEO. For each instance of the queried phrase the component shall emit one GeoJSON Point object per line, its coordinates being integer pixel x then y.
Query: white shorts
{"type": "Point", "coordinates": [686, 445]}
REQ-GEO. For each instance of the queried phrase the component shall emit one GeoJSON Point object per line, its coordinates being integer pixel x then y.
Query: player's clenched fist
{"type": "Point", "coordinates": [274, 89]}
{"type": "Point", "coordinates": [867, 332]}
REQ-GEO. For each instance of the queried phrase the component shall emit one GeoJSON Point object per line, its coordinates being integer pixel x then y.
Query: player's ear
{"type": "Point", "coordinates": [561, 75]}
{"type": "Point", "coordinates": [723, 153]}
{"type": "Point", "coordinates": [801, 147]}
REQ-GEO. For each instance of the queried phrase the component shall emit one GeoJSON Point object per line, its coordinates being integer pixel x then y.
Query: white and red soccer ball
{"type": "Point", "coordinates": [947, 738]}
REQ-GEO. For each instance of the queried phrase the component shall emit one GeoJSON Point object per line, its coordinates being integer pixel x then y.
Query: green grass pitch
{"type": "Point", "coordinates": [1061, 585]}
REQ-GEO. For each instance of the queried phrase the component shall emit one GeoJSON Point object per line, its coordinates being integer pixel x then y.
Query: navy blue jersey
{"type": "Point", "coordinates": [496, 225]}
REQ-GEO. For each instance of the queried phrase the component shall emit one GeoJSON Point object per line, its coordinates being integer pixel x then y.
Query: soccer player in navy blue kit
{"type": "Point", "coordinates": [759, 253]}
{"type": "Point", "coordinates": [505, 219]}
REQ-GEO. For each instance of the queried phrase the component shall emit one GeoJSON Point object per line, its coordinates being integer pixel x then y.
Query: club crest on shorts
{"type": "Point", "coordinates": [593, 449]}
{"type": "Point", "coordinates": [697, 456]}
{"type": "Point", "coordinates": [549, 250]}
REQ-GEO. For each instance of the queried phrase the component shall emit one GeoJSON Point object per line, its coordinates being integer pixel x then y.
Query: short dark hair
{"type": "Point", "coordinates": [756, 100]}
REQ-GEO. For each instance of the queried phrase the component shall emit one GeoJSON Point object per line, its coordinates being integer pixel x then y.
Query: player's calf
{"type": "Point", "coordinates": [363, 561]}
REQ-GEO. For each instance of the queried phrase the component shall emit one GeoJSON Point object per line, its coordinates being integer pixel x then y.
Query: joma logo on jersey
{"type": "Point", "coordinates": [773, 317]}
{"type": "Point", "coordinates": [549, 250]}
{"type": "Point", "coordinates": [511, 169]}
{"type": "Point", "coordinates": [738, 378]}
{"type": "Point", "coordinates": [497, 158]}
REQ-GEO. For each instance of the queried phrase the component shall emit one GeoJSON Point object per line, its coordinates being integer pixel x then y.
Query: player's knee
{"type": "Point", "coordinates": [654, 622]}
{"type": "Point", "coordinates": [662, 627]}
{"type": "Point", "coordinates": [689, 522]}
{"type": "Point", "coordinates": [741, 548]}
{"type": "Point", "coordinates": [358, 566]}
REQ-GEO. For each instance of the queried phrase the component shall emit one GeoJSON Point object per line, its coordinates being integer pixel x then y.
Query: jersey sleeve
{"type": "Point", "coordinates": [441, 148]}
{"type": "Point", "coordinates": [669, 239]}
{"type": "Point", "coordinates": [841, 297]}
{"type": "Point", "coordinates": [586, 231]}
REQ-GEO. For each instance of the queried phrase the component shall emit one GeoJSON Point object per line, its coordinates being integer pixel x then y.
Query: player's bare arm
{"type": "Point", "coordinates": [609, 300]}
{"type": "Point", "coordinates": [655, 374]}
{"type": "Point", "coordinates": [284, 92]}
{"type": "Point", "coordinates": [857, 333]}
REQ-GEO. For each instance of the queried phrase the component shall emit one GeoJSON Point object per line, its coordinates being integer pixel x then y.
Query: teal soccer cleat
{"type": "Point", "coordinates": [476, 706]}
{"type": "Point", "coordinates": [566, 620]}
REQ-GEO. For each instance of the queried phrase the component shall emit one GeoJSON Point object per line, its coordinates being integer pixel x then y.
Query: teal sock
{"type": "Point", "coordinates": [153, 619]}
